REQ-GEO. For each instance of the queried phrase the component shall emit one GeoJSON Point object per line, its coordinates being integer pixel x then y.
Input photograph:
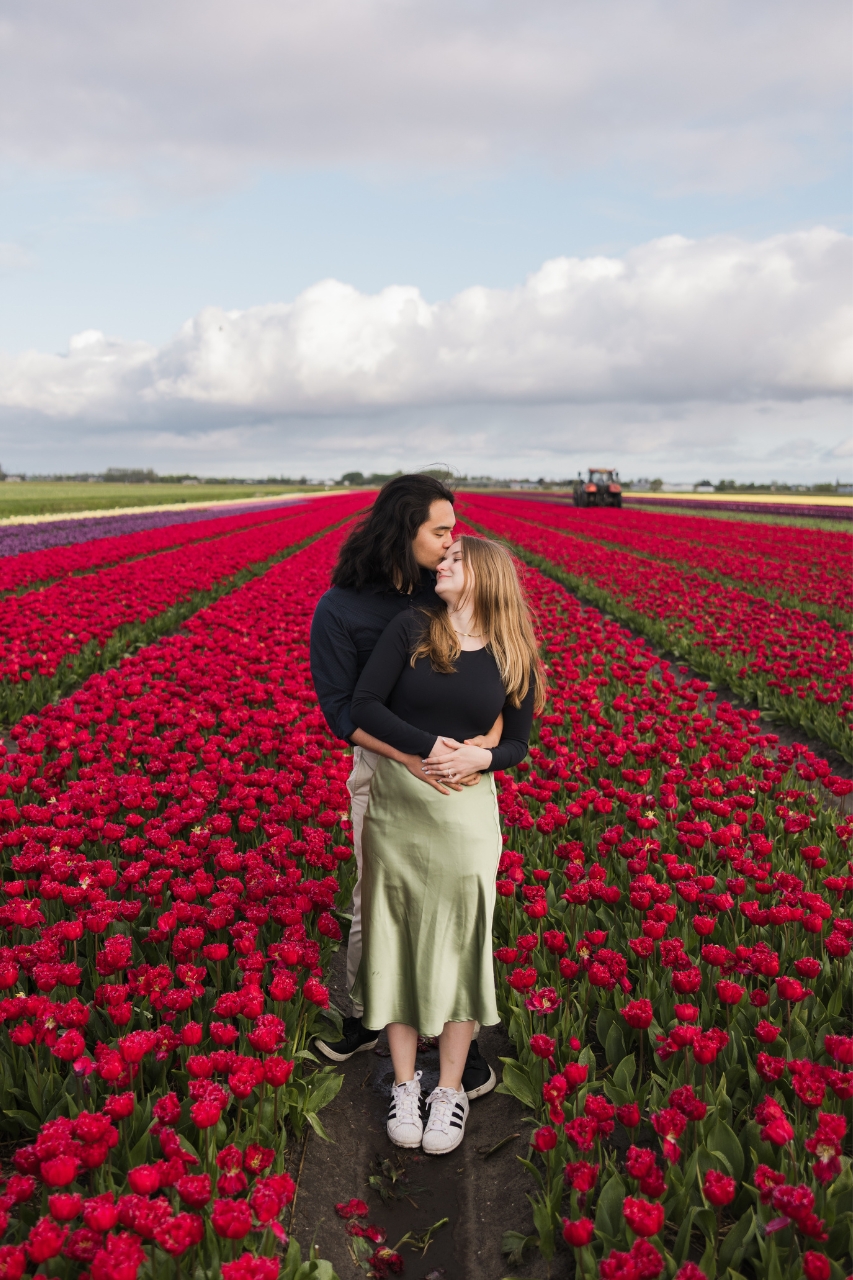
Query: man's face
{"type": "Point", "coordinates": [435, 535]}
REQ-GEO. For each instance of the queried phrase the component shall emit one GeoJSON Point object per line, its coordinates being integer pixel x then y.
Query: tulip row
{"type": "Point", "coordinates": [51, 640]}
{"type": "Point", "coordinates": [674, 948]}
{"type": "Point", "coordinates": [788, 661]}
{"type": "Point", "coordinates": [20, 538]}
{"type": "Point", "coordinates": [176, 855]}
{"type": "Point", "coordinates": [173, 529]}
{"type": "Point", "coordinates": [800, 567]}
{"type": "Point", "coordinates": [784, 544]}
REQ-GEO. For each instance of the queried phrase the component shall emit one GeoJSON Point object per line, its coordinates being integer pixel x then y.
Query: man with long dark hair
{"type": "Point", "coordinates": [386, 565]}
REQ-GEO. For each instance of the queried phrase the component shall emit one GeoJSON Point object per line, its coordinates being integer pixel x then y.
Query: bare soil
{"type": "Point", "coordinates": [481, 1195]}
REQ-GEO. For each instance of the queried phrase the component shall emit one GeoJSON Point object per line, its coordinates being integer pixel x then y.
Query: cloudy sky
{"type": "Point", "coordinates": [286, 237]}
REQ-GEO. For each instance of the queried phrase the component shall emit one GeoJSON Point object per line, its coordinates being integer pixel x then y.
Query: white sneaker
{"type": "Point", "coordinates": [405, 1125]}
{"type": "Point", "coordinates": [445, 1126]}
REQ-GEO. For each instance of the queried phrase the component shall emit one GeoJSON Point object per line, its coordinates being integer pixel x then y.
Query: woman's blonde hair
{"type": "Point", "coordinates": [501, 616]}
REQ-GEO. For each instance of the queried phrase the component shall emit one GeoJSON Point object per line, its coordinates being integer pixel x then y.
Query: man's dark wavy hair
{"type": "Point", "coordinates": [379, 549]}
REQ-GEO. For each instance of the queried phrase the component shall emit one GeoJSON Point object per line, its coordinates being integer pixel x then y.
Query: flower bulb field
{"type": "Point", "coordinates": [672, 936]}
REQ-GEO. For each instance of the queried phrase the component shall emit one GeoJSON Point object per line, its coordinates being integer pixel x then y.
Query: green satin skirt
{"type": "Point", "coordinates": [428, 894]}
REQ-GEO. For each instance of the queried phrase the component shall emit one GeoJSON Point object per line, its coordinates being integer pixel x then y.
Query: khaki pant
{"type": "Point", "coordinates": [358, 784]}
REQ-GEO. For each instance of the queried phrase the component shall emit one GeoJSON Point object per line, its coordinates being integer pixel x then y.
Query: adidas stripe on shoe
{"type": "Point", "coordinates": [447, 1112]}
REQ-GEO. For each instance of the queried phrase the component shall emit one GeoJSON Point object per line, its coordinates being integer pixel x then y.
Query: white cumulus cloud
{"type": "Point", "coordinates": [674, 320]}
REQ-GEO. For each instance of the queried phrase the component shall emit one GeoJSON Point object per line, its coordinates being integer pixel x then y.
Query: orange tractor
{"type": "Point", "coordinates": [602, 489]}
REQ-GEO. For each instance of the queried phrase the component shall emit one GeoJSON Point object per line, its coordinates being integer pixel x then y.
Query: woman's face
{"type": "Point", "coordinates": [450, 583]}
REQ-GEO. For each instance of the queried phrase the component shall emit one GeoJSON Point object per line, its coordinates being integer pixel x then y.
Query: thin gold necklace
{"type": "Point", "coordinates": [469, 635]}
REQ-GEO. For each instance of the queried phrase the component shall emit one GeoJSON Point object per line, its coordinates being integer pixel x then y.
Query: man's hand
{"type": "Point", "coordinates": [487, 740]}
{"type": "Point", "coordinates": [490, 739]}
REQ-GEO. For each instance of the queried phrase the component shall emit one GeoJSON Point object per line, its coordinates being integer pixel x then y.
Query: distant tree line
{"type": "Point", "coordinates": [357, 479]}
{"type": "Point", "coordinates": [138, 475]}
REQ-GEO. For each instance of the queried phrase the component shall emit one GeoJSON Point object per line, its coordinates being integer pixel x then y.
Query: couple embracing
{"type": "Point", "coordinates": [424, 658]}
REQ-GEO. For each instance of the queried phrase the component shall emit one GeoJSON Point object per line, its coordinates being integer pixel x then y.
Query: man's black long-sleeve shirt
{"type": "Point", "coordinates": [344, 631]}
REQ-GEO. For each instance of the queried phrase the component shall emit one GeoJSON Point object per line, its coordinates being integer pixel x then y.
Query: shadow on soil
{"type": "Point", "coordinates": [481, 1195]}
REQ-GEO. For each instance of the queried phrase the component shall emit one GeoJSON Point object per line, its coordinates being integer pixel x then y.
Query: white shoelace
{"type": "Point", "coordinates": [406, 1098]}
{"type": "Point", "coordinates": [442, 1101]}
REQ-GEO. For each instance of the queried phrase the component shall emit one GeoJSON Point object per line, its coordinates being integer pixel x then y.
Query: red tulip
{"type": "Point", "coordinates": [13, 1261]}
{"type": "Point", "coordinates": [816, 1266]}
{"type": "Point", "coordinates": [575, 1074]}
{"type": "Point", "coordinates": [316, 993]}
{"type": "Point", "coordinates": [59, 1171]}
{"type": "Point", "coordinates": [45, 1240]}
{"type": "Point", "coordinates": [231, 1219]}
{"type": "Point", "coordinates": [63, 1207]}
{"type": "Point", "coordinates": [776, 1127]}
{"type": "Point", "coordinates": [180, 1233]}
{"type": "Point", "coordinates": [579, 1232]}
{"type": "Point", "coordinates": [250, 1267]}
{"type": "Point", "coordinates": [770, 1068]}
{"type": "Point", "coordinates": [840, 1048]}
{"type": "Point", "coordinates": [522, 979]}
{"type": "Point", "coordinates": [542, 1046]}
{"type": "Point", "coordinates": [277, 1071]}
{"type": "Point", "coordinates": [205, 1115]}
{"type": "Point", "coordinates": [628, 1115]}
{"type": "Point", "coordinates": [100, 1213]}
{"type": "Point", "coordinates": [544, 1139]}
{"type": "Point", "coordinates": [120, 1106]}
{"type": "Point", "coordinates": [638, 1014]}
{"type": "Point", "coordinates": [194, 1189]}
{"type": "Point", "coordinates": [143, 1179]}
{"type": "Point", "coordinates": [719, 1189]}
{"type": "Point", "coordinates": [644, 1218]}
{"type": "Point", "coordinates": [729, 992]}
{"type": "Point", "coordinates": [581, 1176]}
{"type": "Point", "coordinates": [792, 990]}
{"type": "Point", "coordinates": [120, 1259]}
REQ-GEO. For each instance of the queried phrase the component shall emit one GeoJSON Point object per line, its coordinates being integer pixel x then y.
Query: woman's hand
{"type": "Point", "coordinates": [451, 761]}
{"type": "Point", "coordinates": [415, 766]}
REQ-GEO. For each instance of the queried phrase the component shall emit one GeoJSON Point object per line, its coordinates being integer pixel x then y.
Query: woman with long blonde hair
{"type": "Point", "coordinates": [434, 681]}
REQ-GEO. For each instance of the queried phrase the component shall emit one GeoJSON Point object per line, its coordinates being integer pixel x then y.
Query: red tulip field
{"type": "Point", "coordinates": [672, 937]}
{"type": "Point", "coordinates": [53, 636]}
{"type": "Point", "coordinates": [787, 659]}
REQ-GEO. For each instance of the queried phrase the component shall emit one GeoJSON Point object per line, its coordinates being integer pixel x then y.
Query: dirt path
{"type": "Point", "coordinates": [481, 1196]}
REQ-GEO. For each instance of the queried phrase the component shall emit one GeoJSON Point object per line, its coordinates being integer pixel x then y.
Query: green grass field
{"type": "Point", "coordinates": [36, 498]}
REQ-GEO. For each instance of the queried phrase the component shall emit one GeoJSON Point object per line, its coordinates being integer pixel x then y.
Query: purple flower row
{"type": "Point", "coordinates": [17, 538]}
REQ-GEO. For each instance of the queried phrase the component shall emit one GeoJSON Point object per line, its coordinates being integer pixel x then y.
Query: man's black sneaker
{"type": "Point", "coordinates": [478, 1077]}
{"type": "Point", "coordinates": [356, 1039]}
